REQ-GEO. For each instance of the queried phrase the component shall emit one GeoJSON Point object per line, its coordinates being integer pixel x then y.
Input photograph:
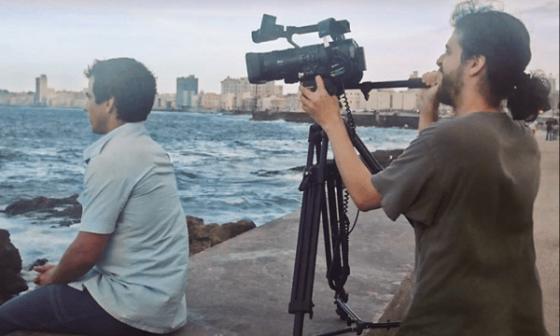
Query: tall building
{"type": "Point", "coordinates": [41, 90]}
{"type": "Point", "coordinates": [187, 88]}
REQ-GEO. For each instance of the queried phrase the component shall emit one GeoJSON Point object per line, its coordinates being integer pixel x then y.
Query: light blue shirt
{"type": "Point", "coordinates": [130, 193]}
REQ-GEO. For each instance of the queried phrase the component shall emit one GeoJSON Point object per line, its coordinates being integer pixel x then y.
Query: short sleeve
{"type": "Point", "coordinates": [409, 185]}
{"type": "Point", "coordinates": [106, 191]}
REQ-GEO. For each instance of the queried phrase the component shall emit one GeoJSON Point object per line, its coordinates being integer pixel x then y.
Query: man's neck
{"type": "Point", "coordinates": [471, 101]}
{"type": "Point", "coordinates": [114, 123]}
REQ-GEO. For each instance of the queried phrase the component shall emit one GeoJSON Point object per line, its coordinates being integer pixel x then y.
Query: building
{"type": "Point", "coordinates": [379, 100]}
{"type": "Point", "coordinates": [405, 100]}
{"type": "Point", "coordinates": [244, 93]}
{"type": "Point", "coordinates": [67, 99]}
{"type": "Point", "coordinates": [553, 96]}
{"type": "Point", "coordinates": [209, 101]}
{"type": "Point", "coordinates": [292, 103]}
{"type": "Point", "coordinates": [228, 101]}
{"type": "Point", "coordinates": [389, 100]}
{"type": "Point", "coordinates": [271, 104]}
{"type": "Point", "coordinates": [356, 101]}
{"type": "Point", "coordinates": [187, 88]}
{"type": "Point", "coordinates": [17, 98]}
{"type": "Point", "coordinates": [165, 101]}
{"type": "Point", "coordinates": [41, 91]}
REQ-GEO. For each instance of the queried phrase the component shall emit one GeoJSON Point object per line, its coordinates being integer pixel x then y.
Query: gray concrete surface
{"type": "Point", "coordinates": [546, 216]}
{"type": "Point", "coordinates": [243, 286]}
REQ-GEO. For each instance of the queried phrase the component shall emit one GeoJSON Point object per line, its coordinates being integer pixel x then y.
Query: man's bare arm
{"type": "Point", "coordinates": [357, 178]}
{"type": "Point", "coordinates": [429, 105]}
{"type": "Point", "coordinates": [77, 260]}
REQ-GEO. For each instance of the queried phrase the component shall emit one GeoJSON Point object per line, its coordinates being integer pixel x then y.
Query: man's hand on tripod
{"type": "Point", "coordinates": [355, 175]}
{"type": "Point", "coordinates": [322, 107]}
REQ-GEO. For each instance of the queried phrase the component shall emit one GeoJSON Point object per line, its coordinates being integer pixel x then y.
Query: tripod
{"type": "Point", "coordinates": [324, 201]}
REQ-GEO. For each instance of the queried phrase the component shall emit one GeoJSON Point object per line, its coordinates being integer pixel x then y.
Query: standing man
{"type": "Point", "coordinates": [467, 184]}
{"type": "Point", "coordinates": [126, 271]}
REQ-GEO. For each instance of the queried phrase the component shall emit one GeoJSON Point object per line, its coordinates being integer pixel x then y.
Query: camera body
{"type": "Point", "coordinates": [340, 62]}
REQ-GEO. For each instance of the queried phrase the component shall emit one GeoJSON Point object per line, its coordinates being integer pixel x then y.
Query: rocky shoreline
{"type": "Point", "coordinates": [68, 210]}
{"type": "Point", "coordinates": [11, 282]}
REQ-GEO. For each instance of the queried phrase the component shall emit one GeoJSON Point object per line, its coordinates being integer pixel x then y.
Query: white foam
{"type": "Point", "coordinates": [36, 241]}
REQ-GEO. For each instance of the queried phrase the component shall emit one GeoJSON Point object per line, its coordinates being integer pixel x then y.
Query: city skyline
{"type": "Point", "coordinates": [61, 38]}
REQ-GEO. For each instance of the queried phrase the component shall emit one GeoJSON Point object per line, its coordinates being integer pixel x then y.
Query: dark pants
{"type": "Point", "coordinates": [60, 308]}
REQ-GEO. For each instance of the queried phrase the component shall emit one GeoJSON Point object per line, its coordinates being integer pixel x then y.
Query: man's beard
{"type": "Point", "coordinates": [451, 85]}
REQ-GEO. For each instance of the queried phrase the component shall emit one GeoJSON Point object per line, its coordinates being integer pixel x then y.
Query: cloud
{"type": "Point", "coordinates": [209, 38]}
{"type": "Point", "coordinates": [549, 9]}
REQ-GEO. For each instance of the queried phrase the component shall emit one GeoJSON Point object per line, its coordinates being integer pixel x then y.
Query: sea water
{"type": "Point", "coordinates": [228, 167]}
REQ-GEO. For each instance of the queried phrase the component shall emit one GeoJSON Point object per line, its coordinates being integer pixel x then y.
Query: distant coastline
{"type": "Point", "coordinates": [395, 118]}
{"type": "Point", "coordinates": [390, 118]}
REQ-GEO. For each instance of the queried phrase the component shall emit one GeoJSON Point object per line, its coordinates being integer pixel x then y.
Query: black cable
{"type": "Point", "coordinates": [352, 125]}
{"type": "Point", "coordinates": [355, 221]}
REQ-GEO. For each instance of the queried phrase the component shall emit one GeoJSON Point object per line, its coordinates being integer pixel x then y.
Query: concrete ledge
{"type": "Point", "coordinates": [397, 308]}
{"type": "Point", "coordinates": [243, 286]}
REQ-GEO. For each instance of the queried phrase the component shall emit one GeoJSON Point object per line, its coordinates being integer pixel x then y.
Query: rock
{"type": "Point", "coordinates": [11, 282]}
{"type": "Point", "coordinates": [194, 222]}
{"type": "Point", "coordinates": [234, 229]}
{"type": "Point", "coordinates": [73, 211]}
{"type": "Point", "coordinates": [37, 262]}
{"type": "Point", "coordinates": [71, 208]}
{"type": "Point", "coordinates": [203, 236]}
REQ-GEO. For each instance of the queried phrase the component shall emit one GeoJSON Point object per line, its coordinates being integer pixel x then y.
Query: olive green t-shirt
{"type": "Point", "coordinates": [468, 185]}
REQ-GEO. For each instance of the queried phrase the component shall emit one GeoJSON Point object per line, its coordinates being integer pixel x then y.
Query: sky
{"type": "Point", "coordinates": [210, 38]}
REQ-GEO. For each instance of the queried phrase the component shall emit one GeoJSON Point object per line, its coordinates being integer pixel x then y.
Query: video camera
{"type": "Point", "coordinates": [341, 61]}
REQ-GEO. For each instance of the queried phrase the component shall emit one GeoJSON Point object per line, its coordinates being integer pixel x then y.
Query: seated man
{"type": "Point", "coordinates": [126, 271]}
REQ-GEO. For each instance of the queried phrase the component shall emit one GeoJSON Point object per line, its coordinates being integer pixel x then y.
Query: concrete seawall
{"type": "Point", "coordinates": [242, 286]}
{"type": "Point", "coordinates": [546, 231]}
{"type": "Point", "coordinates": [381, 119]}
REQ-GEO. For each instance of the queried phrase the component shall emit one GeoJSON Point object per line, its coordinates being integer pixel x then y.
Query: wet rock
{"type": "Point", "coordinates": [11, 282]}
{"type": "Point", "coordinates": [37, 262]}
{"type": "Point", "coordinates": [203, 236]}
{"type": "Point", "coordinates": [68, 208]}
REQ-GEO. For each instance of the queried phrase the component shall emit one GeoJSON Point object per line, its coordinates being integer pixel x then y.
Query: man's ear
{"type": "Point", "coordinates": [476, 65]}
{"type": "Point", "coordinates": [109, 105]}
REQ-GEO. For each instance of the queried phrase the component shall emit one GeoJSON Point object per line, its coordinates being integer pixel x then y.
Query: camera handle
{"type": "Point", "coordinates": [330, 84]}
{"type": "Point", "coordinates": [323, 201]}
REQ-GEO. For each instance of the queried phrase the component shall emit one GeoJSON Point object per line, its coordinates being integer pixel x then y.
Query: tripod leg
{"type": "Point", "coordinates": [310, 216]}
{"type": "Point", "coordinates": [298, 324]}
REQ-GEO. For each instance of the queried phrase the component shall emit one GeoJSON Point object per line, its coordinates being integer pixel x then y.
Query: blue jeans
{"type": "Point", "coordinates": [60, 308]}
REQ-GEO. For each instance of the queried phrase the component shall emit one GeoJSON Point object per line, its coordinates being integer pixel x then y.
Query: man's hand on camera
{"type": "Point", "coordinates": [429, 103]}
{"type": "Point", "coordinates": [322, 107]}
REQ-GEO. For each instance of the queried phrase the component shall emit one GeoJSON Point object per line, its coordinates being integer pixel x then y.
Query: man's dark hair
{"type": "Point", "coordinates": [129, 82]}
{"type": "Point", "coordinates": [504, 41]}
